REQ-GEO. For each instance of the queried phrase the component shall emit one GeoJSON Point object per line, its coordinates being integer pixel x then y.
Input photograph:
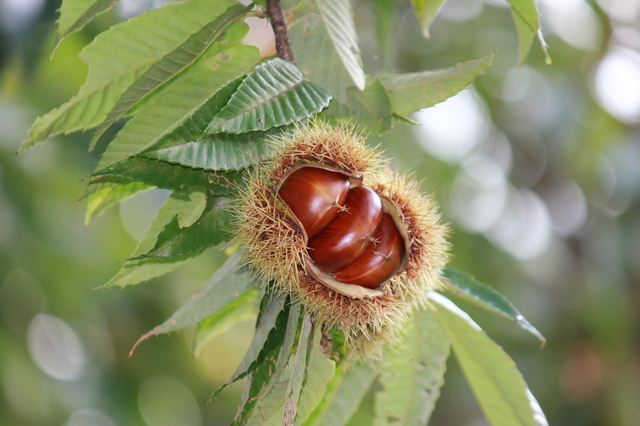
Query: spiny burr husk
{"type": "Point", "coordinates": [275, 243]}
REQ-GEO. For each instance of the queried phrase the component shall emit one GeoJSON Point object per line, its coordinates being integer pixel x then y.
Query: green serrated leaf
{"type": "Point", "coordinates": [170, 176]}
{"type": "Point", "coordinates": [75, 14]}
{"type": "Point", "coordinates": [139, 43]}
{"type": "Point", "coordinates": [413, 373]}
{"type": "Point", "coordinates": [298, 367]}
{"type": "Point", "coordinates": [372, 107]}
{"type": "Point", "coordinates": [386, 14]}
{"type": "Point", "coordinates": [426, 11]}
{"type": "Point", "coordinates": [193, 127]}
{"type": "Point", "coordinates": [212, 228]}
{"type": "Point", "coordinates": [267, 324]}
{"type": "Point", "coordinates": [171, 65]}
{"type": "Point", "coordinates": [110, 196]}
{"type": "Point", "coordinates": [219, 152]}
{"type": "Point", "coordinates": [405, 119]}
{"type": "Point", "coordinates": [177, 102]}
{"type": "Point", "coordinates": [370, 110]}
{"type": "Point", "coordinates": [242, 309]}
{"type": "Point", "coordinates": [135, 272]}
{"type": "Point", "coordinates": [343, 396]}
{"type": "Point", "coordinates": [415, 91]}
{"type": "Point", "coordinates": [472, 290]}
{"type": "Point", "coordinates": [185, 207]}
{"type": "Point", "coordinates": [228, 283]}
{"type": "Point", "coordinates": [264, 400]}
{"type": "Point", "coordinates": [188, 207]}
{"type": "Point", "coordinates": [319, 372]}
{"type": "Point", "coordinates": [273, 95]}
{"type": "Point", "coordinates": [293, 323]}
{"type": "Point", "coordinates": [263, 395]}
{"type": "Point", "coordinates": [494, 378]}
{"type": "Point", "coordinates": [527, 21]}
{"type": "Point", "coordinates": [268, 407]}
{"type": "Point", "coordinates": [325, 47]}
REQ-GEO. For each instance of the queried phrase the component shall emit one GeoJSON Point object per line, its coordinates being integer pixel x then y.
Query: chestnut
{"type": "Point", "coordinates": [347, 236]}
{"type": "Point", "coordinates": [381, 259]}
{"type": "Point", "coordinates": [314, 196]}
{"type": "Point", "coordinates": [327, 223]}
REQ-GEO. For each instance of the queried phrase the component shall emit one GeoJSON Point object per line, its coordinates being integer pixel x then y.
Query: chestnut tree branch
{"type": "Point", "coordinates": [283, 46]}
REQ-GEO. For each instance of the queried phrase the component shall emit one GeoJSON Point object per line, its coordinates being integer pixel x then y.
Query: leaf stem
{"type": "Point", "coordinates": [283, 46]}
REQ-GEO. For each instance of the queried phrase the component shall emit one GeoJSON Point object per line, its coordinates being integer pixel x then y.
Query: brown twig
{"type": "Point", "coordinates": [283, 46]}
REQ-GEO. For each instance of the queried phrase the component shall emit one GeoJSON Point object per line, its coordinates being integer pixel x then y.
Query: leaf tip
{"type": "Point", "coordinates": [545, 46]}
{"type": "Point", "coordinates": [142, 338]}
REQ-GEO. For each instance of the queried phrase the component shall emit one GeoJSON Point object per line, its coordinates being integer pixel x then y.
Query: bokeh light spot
{"type": "Point", "coordinates": [524, 229]}
{"type": "Point", "coordinates": [478, 194]}
{"type": "Point", "coordinates": [55, 347]}
{"type": "Point", "coordinates": [15, 14]}
{"type": "Point", "coordinates": [574, 21]}
{"type": "Point", "coordinates": [89, 417]}
{"type": "Point", "coordinates": [567, 207]}
{"type": "Point", "coordinates": [451, 129]}
{"type": "Point", "coordinates": [617, 84]}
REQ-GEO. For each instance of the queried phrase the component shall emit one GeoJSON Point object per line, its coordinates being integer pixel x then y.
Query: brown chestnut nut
{"type": "Point", "coordinates": [381, 259]}
{"type": "Point", "coordinates": [315, 196]}
{"type": "Point", "coordinates": [347, 236]}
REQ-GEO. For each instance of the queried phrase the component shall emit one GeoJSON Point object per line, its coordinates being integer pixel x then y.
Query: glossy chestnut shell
{"type": "Point", "coordinates": [380, 260]}
{"type": "Point", "coordinates": [315, 196]}
{"type": "Point", "coordinates": [351, 234]}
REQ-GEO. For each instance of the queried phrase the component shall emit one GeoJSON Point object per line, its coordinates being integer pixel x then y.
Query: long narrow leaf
{"type": "Point", "coordinates": [212, 228]}
{"type": "Point", "coordinates": [343, 396]}
{"type": "Point", "coordinates": [218, 152]}
{"type": "Point", "coordinates": [105, 198]}
{"type": "Point", "coordinates": [242, 309]}
{"type": "Point", "coordinates": [372, 106]}
{"type": "Point", "coordinates": [427, 10]}
{"type": "Point", "coordinates": [178, 101]}
{"type": "Point", "coordinates": [171, 65]}
{"type": "Point", "coordinates": [298, 373]}
{"type": "Point", "coordinates": [139, 43]}
{"type": "Point", "coordinates": [189, 208]}
{"type": "Point", "coordinates": [169, 176]}
{"type": "Point", "coordinates": [268, 405]}
{"type": "Point", "coordinates": [387, 13]}
{"type": "Point", "coordinates": [319, 372]}
{"type": "Point", "coordinates": [472, 290]}
{"type": "Point", "coordinates": [413, 373]}
{"type": "Point", "coordinates": [75, 14]}
{"type": "Point", "coordinates": [266, 388]}
{"type": "Point", "coordinates": [267, 323]}
{"type": "Point", "coordinates": [293, 323]}
{"type": "Point", "coordinates": [527, 20]}
{"type": "Point", "coordinates": [415, 91]}
{"type": "Point", "coordinates": [190, 128]}
{"type": "Point", "coordinates": [325, 47]}
{"type": "Point", "coordinates": [497, 384]}
{"type": "Point", "coordinates": [229, 282]}
{"type": "Point", "coordinates": [273, 95]}
{"type": "Point", "coordinates": [263, 397]}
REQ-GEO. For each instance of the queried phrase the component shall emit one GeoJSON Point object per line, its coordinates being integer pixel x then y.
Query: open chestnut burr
{"type": "Point", "coordinates": [326, 223]}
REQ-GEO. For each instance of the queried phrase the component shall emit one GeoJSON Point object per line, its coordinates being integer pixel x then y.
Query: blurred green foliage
{"type": "Point", "coordinates": [542, 190]}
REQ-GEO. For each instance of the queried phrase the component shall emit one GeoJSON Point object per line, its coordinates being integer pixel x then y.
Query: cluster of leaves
{"type": "Point", "coordinates": [200, 108]}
